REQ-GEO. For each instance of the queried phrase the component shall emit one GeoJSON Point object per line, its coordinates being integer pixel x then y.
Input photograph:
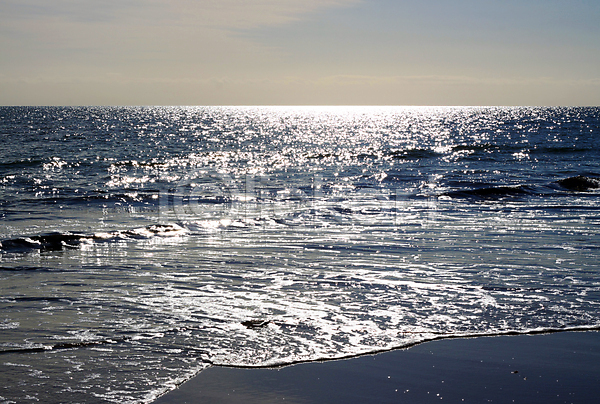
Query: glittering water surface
{"type": "Point", "coordinates": [140, 245]}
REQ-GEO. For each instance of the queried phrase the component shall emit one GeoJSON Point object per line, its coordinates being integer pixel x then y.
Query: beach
{"type": "Point", "coordinates": [559, 367]}
{"type": "Point", "coordinates": [142, 246]}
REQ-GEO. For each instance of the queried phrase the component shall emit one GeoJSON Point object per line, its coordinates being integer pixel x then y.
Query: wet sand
{"type": "Point", "coordinates": [549, 368]}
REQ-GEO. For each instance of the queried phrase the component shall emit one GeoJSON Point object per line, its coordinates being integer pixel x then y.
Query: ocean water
{"type": "Point", "coordinates": [140, 245]}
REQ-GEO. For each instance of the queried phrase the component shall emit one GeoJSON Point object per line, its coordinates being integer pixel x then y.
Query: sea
{"type": "Point", "coordinates": [141, 245]}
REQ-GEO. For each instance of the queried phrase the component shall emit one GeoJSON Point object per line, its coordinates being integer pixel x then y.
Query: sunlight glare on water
{"type": "Point", "coordinates": [140, 245]}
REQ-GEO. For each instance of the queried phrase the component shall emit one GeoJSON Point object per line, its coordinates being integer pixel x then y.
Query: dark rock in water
{"type": "Point", "coordinates": [579, 183]}
{"type": "Point", "coordinates": [252, 324]}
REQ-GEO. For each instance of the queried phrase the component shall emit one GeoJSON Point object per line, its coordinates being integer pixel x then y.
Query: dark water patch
{"type": "Point", "coordinates": [23, 268]}
{"type": "Point", "coordinates": [484, 147]}
{"type": "Point", "coordinates": [498, 288]}
{"type": "Point", "coordinates": [121, 196]}
{"type": "Point", "coordinates": [121, 337]}
{"type": "Point", "coordinates": [42, 299]}
{"type": "Point", "coordinates": [497, 192]}
{"type": "Point", "coordinates": [63, 345]}
{"type": "Point", "coordinates": [559, 150]}
{"type": "Point", "coordinates": [411, 154]}
{"type": "Point", "coordinates": [480, 149]}
{"type": "Point", "coordinates": [377, 154]}
{"type": "Point", "coordinates": [580, 183]}
{"type": "Point", "coordinates": [20, 164]}
{"type": "Point", "coordinates": [560, 208]}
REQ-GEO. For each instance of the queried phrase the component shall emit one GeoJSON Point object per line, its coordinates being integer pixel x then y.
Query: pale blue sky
{"type": "Point", "coordinates": [241, 52]}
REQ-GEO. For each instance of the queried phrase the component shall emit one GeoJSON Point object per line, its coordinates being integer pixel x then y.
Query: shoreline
{"type": "Point", "coordinates": [553, 367]}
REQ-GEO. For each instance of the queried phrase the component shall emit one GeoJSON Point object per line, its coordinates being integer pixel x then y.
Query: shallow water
{"type": "Point", "coordinates": [140, 245]}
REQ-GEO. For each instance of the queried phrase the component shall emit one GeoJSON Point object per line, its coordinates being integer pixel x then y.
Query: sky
{"type": "Point", "coordinates": [299, 52]}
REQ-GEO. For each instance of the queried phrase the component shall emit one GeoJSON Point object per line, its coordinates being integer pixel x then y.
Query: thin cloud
{"type": "Point", "coordinates": [150, 37]}
{"type": "Point", "coordinates": [225, 14]}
